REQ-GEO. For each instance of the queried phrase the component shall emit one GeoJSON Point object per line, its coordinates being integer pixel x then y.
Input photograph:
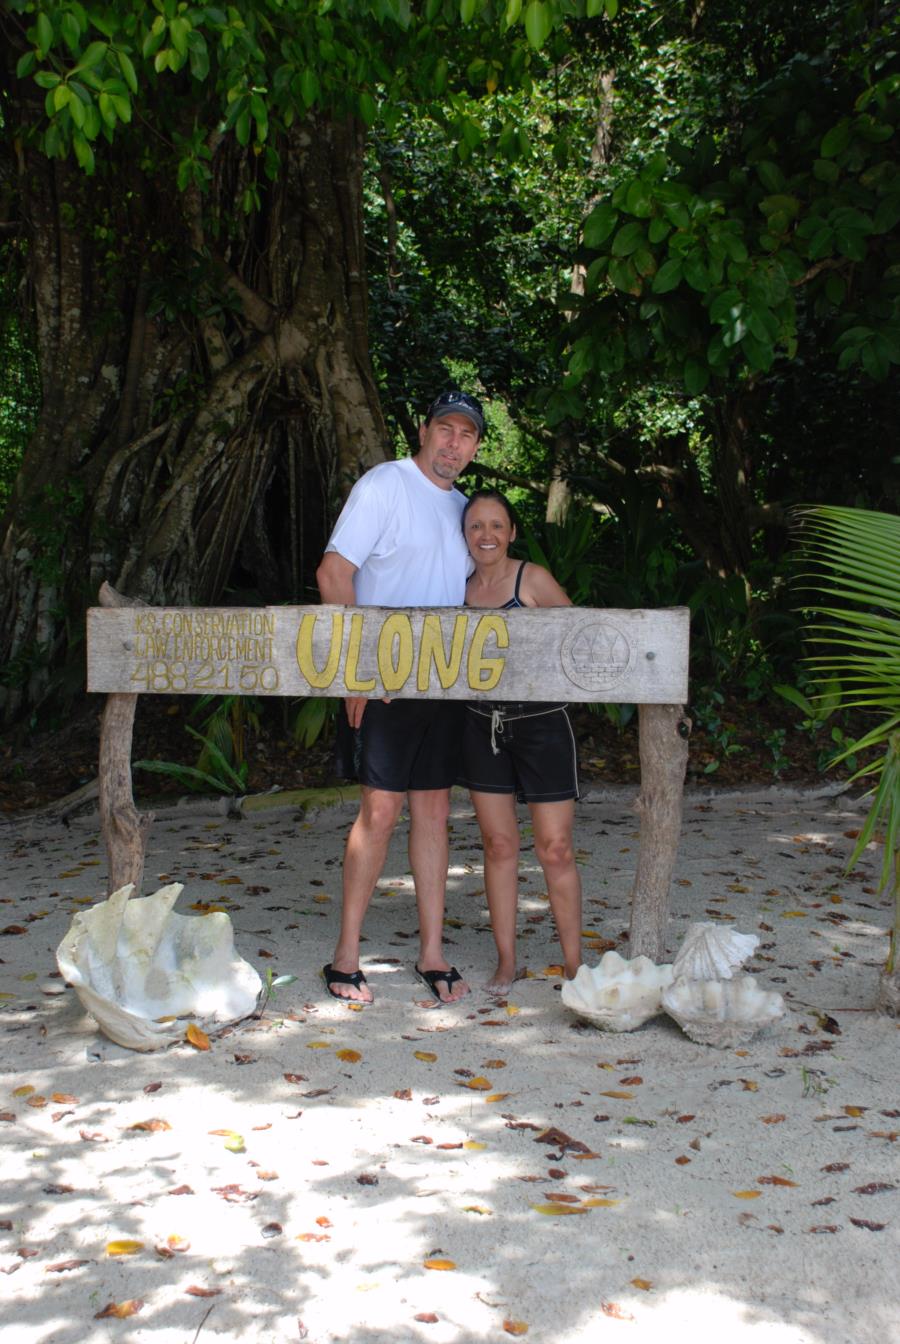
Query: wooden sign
{"type": "Point", "coordinates": [558, 653]}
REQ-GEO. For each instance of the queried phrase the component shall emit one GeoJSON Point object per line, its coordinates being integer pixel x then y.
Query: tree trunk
{"type": "Point", "coordinates": [664, 733]}
{"type": "Point", "coordinates": [207, 394]}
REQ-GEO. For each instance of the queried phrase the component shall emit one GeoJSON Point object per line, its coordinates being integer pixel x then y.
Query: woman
{"type": "Point", "coordinates": [524, 750]}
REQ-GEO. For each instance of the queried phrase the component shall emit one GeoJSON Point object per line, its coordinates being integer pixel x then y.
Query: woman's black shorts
{"type": "Point", "coordinates": [525, 749]}
{"type": "Point", "coordinates": [402, 745]}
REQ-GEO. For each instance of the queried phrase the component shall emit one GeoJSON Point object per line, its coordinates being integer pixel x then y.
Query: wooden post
{"type": "Point", "coordinates": [124, 829]}
{"type": "Point", "coordinates": [664, 733]}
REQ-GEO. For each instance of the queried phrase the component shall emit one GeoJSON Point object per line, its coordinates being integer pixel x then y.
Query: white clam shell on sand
{"type": "Point", "coordinates": [617, 994]}
{"type": "Point", "coordinates": [132, 961]}
{"type": "Point", "coordinates": [712, 952]}
{"type": "Point", "coordinates": [722, 1012]}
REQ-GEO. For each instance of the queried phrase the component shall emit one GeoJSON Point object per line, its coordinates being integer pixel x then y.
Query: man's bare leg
{"type": "Point", "coordinates": [364, 858]}
{"type": "Point", "coordinates": [429, 853]}
{"type": "Point", "coordinates": [497, 821]}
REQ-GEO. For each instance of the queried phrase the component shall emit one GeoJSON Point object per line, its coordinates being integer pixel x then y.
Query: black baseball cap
{"type": "Point", "coordinates": [455, 402]}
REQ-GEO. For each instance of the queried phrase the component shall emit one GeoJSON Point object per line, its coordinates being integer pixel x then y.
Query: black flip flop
{"type": "Point", "coordinates": [354, 978]}
{"type": "Point", "coordinates": [433, 978]}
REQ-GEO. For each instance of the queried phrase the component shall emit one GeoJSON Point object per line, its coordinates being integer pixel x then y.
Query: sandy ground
{"type": "Point", "coordinates": [738, 1195]}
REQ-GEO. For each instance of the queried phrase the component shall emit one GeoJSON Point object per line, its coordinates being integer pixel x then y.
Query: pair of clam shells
{"type": "Point", "coordinates": [699, 990]}
{"type": "Point", "coordinates": [144, 972]}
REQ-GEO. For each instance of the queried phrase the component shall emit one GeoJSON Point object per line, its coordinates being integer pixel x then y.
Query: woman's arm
{"type": "Point", "coordinates": [539, 588]}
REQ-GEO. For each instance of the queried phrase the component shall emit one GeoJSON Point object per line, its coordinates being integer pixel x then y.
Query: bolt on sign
{"type": "Point", "coordinates": [558, 653]}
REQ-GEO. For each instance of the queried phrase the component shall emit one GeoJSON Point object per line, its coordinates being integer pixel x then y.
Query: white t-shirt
{"type": "Point", "coordinates": [404, 534]}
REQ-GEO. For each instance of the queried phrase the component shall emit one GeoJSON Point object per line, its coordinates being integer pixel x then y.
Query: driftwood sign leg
{"type": "Point", "coordinates": [664, 733]}
{"type": "Point", "coordinates": [124, 829]}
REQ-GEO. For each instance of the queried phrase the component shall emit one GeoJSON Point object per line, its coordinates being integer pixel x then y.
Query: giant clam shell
{"type": "Point", "coordinates": [722, 1012]}
{"type": "Point", "coordinates": [617, 995]}
{"type": "Point", "coordinates": [712, 952]}
{"type": "Point", "coordinates": [133, 962]}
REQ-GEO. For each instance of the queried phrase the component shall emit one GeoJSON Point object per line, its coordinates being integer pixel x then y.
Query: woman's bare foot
{"type": "Point", "coordinates": [501, 982]}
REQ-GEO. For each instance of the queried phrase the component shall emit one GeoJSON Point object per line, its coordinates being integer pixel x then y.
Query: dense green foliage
{"type": "Point", "coordinates": [661, 241]}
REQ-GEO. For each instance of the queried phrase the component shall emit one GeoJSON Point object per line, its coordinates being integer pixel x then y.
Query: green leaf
{"type": "Point", "coordinates": [628, 239]}
{"type": "Point", "coordinates": [466, 10]}
{"type": "Point", "coordinates": [637, 200]}
{"type": "Point", "coordinates": [83, 152]}
{"type": "Point", "coordinates": [600, 224]}
{"type": "Point", "coordinates": [668, 277]}
{"type": "Point", "coordinates": [198, 54]}
{"type": "Point", "coordinates": [537, 23]}
{"type": "Point", "coordinates": [770, 175]}
{"type": "Point", "coordinates": [696, 376]}
{"type": "Point", "coordinates": [624, 276]}
{"type": "Point", "coordinates": [309, 87]}
{"type": "Point", "coordinates": [44, 34]}
{"type": "Point", "coordinates": [368, 108]}
{"type": "Point", "coordinates": [127, 68]}
{"type": "Point", "coordinates": [46, 79]}
{"type": "Point", "coordinates": [850, 244]}
{"type": "Point", "coordinates": [835, 141]}
{"type": "Point", "coordinates": [825, 170]}
{"type": "Point", "coordinates": [179, 29]}
{"type": "Point", "coordinates": [25, 64]}
{"type": "Point", "coordinates": [71, 30]}
{"type": "Point", "coordinates": [93, 56]}
{"type": "Point", "coordinates": [696, 272]}
{"type": "Point", "coordinates": [658, 230]}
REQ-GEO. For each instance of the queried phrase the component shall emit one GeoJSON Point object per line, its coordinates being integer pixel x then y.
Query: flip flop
{"type": "Point", "coordinates": [433, 978]}
{"type": "Point", "coordinates": [354, 978]}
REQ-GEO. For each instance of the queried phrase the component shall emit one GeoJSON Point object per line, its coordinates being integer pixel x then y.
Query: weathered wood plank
{"type": "Point", "coordinates": [561, 653]}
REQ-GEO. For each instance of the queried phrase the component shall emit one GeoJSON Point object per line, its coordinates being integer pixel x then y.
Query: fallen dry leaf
{"type": "Point", "coordinates": [620, 1096]}
{"type": "Point", "coordinates": [474, 1146]}
{"type": "Point", "coordinates": [746, 1194]}
{"type": "Point", "coordinates": [556, 1210]}
{"type": "Point", "coordinates": [515, 1327]}
{"type": "Point", "coordinates": [64, 1099]}
{"type": "Point", "coordinates": [403, 1094]}
{"type": "Point", "coordinates": [130, 1307]}
{"type": "Point", "coordinates": [477, 1084]}
{"type": "Point", "coordinates": [438, 1263]}
{"type": "Point", "coordinates": [153, 1126]}
{"type": "Point", "coordinates": [774, 1180]}
{"type": "Point", "coordinates": [871, 1227]}
{"type": "Point", "coordinates": [600, 1203]}
{"type": "Point", "coordinates": [194, 1290]}
{"type": "Point", "coordinates": [497, 1096]}
{"type": "Point", "coordinates": [349, 1056]}
{"type": "Point", "coordinates": [494, 1064]}
{"type": "Point", "coordinates": [772, 1119]}
{"type": "Point", "coordinates": [124, 1247]}
{"type": "Point", "coordinates": [873, 1188]}
{"type": "Point", "coordinates": [62, 1266]}
{"type": "Point", "coordinates": [644, 1284]}
{"type": "Point", "coordinates": [426, 1317]}
{"type": "Point", "coordinates": [426, 1056]}
{"type": "Point", "coordinates": [615, 1311]}
{"type": "Point", "coordinates": [197, 1038]}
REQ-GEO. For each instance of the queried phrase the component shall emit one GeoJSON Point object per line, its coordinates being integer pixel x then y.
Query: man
{"type": "Point", "coordinates": [398, 543]}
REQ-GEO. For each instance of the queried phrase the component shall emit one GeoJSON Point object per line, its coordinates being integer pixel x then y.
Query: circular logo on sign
{"type": "Point", "coordinates": [596, 656]}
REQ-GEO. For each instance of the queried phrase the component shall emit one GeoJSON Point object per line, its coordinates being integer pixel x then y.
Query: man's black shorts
{"type": "Point", "coordinates": [402, 745]}
{"type": "Point", "coordinates": [535, 757]}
